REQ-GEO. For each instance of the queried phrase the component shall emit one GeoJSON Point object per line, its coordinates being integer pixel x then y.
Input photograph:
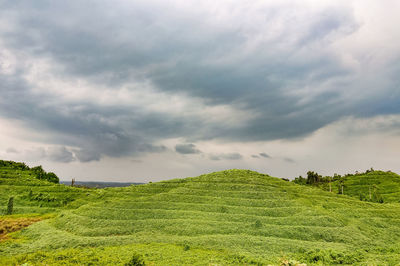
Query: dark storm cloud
{"type": "Point", "coordinates": [187, 149]}
{"type": "Point", "coordinates": [95, 130]}
{"type": "Point", "coordinates": [159, 43]}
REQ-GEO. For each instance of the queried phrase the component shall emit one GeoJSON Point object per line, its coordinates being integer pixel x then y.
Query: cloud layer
{"type": "Point", "coordinates": [131, 75]}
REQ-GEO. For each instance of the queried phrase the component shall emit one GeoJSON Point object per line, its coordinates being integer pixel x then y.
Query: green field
{"type": "Point", "coordinates": [367, 186]}
{"type": "Point", "coordinates": [230, 217]}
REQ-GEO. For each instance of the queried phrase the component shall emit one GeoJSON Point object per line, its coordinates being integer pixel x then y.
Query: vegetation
{"type": "Point", "coordinates": [16, 168]}
{"type": "Point", "coordinates": [371, 185]}
{"type": "Point", "coordinates": [237, 217]}
{"type": "Point", "coordinates": [10, 205]}
{"type": "Point", "coordinates": [136, 260]}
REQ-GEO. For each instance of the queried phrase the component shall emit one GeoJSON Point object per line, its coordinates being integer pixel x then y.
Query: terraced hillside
{"type": "Point", "coordinates": [373, 185]}
{"type": "Point", "coordinates": [229, 217]}
{"type": "Point", "coordinates": [33, 195]}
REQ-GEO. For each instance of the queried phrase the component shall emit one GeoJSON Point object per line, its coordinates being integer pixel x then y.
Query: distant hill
{"type": "Point", "coordinates": [93, 184]}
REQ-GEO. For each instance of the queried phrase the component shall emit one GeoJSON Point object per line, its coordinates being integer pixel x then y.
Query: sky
{"type": "Point", "coordinates": [140, 91]}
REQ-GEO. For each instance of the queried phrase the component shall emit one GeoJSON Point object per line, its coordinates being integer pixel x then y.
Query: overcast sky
{"type": "Point", "coordinates": [150, 90]}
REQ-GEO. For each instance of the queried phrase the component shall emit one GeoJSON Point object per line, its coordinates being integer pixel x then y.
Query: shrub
{"type": "Point", "coordinates": [10, 206]}
{"type": "Point", "coordinates": [331, 257]}
{"type": "Point", "coordinates": [287, 262]}
{"type": "Point", "coordinates": [136, 260]}
{"type": "Point", "coordinates": [223, 209]}
{"type": "Point", "coordinates": [258, 224]}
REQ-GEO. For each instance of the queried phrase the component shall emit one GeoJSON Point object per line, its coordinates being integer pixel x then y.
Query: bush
{"type": "Point", "coordinates": [258, 224]}
{"type": "Point", "coordinates": [42, 175]}
{"type": "Point", "coordinates": [10, 206]}
{"type": "Point", "coordinates": [136, 260]}
{"type": "Point", "coordinates": [331, 257]}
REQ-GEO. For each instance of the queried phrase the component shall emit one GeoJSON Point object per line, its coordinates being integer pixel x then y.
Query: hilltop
{"type": "Point", "coordinates": [371, 185]}
{"type": "Point", "coordinates": [228, 217]}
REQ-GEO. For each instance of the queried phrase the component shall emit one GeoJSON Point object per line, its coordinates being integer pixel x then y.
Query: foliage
{"type": "Point", "coordinates": [331, 257]}
{"type": "Point", "coordinates": [37, 171]}
{"type": "Point", "coordinates": [136, 260]}
{"type": "Point", "coordinates": [11, 224]}
{"type": "Point", "coordinates": [42, 175]}
{"type": "Point", "coordinates": [235, 217]}
{"type": "Point", "coordinates": [313, 178]}
{"type": "Point", "coordinates": [10, 206]}
{"type": "Point", "coordinates": [300, 180]}
{"type": "Point", "coordinates": [371, 185]}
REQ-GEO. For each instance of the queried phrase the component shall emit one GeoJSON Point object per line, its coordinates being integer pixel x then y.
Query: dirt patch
{"type": "Point", "coordinates": [9, 225]}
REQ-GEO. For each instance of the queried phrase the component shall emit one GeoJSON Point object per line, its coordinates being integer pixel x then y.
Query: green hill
{"type": "Point", "coordinates": [372, 186]}
{"type": "Point", "coordinates": [32, 191]}
{"type": "Point", "coordinates": [229, 217]}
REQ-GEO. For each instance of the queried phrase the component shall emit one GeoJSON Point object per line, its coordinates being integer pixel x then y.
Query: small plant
{"type": "Point", "coordinates": [258, 224]}
{"type": "Point", "coordinates": [10, 206]}
{"type": "Point", "coordinates": [136, 260]}
{"type": "Point", "coordinates": [288, 262]}
{"type": "Point", "coordinates": [186, 247]}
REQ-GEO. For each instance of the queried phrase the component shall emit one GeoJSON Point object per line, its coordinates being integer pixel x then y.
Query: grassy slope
{"type": "Point", "coordinates": [387, 185]}
{"type": "Point", "coordinates": [46, 197]}
{"type": "Point", "coordinates": [228, 217]}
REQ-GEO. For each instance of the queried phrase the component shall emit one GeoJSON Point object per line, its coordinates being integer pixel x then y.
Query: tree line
{"type": "Point", "coordinates": [37, 171]}
{"type": "Point", "coordinates": [315, 179]}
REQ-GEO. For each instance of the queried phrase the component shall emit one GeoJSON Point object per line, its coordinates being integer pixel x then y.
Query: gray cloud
{"type": "Point", "coordinates": [292, 83]}
{"type": "Point", "coordinates": [86, 155]}
{"type": "Point", "coordinates": [60, 154]}
{"type": "Point", "coordinates": [187, 149]}
{"type": "Point", "coordinates": [11, 150]}
{"type": "Point", "coordinates": [263, 154]}
{"type": "Point", "coordinates": [225, 156]}
{"type": "Point", "coordinates": [289, 160]}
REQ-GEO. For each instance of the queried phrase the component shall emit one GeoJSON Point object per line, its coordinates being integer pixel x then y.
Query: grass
{"type": "Point", "coordinates": [229, 217]}
{"type": "Point", "coordinates": [9, 224]}
{"type": "Point", "coordinates": [375, 186]}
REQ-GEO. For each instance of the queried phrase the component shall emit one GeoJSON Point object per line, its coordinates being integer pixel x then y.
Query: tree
{"type": "Point", "coordinates": [136, 260]}
{"type": "Point", "coordinates": [313, 178]}
{"type": "Point", "coordinates": [10, 206]}
{"type": "Point", "coordinates": [300, 180]}
{"type": "Point", "coordinates": [52, 177]}
{"type": "Point", "coordinates": [41, 174]}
